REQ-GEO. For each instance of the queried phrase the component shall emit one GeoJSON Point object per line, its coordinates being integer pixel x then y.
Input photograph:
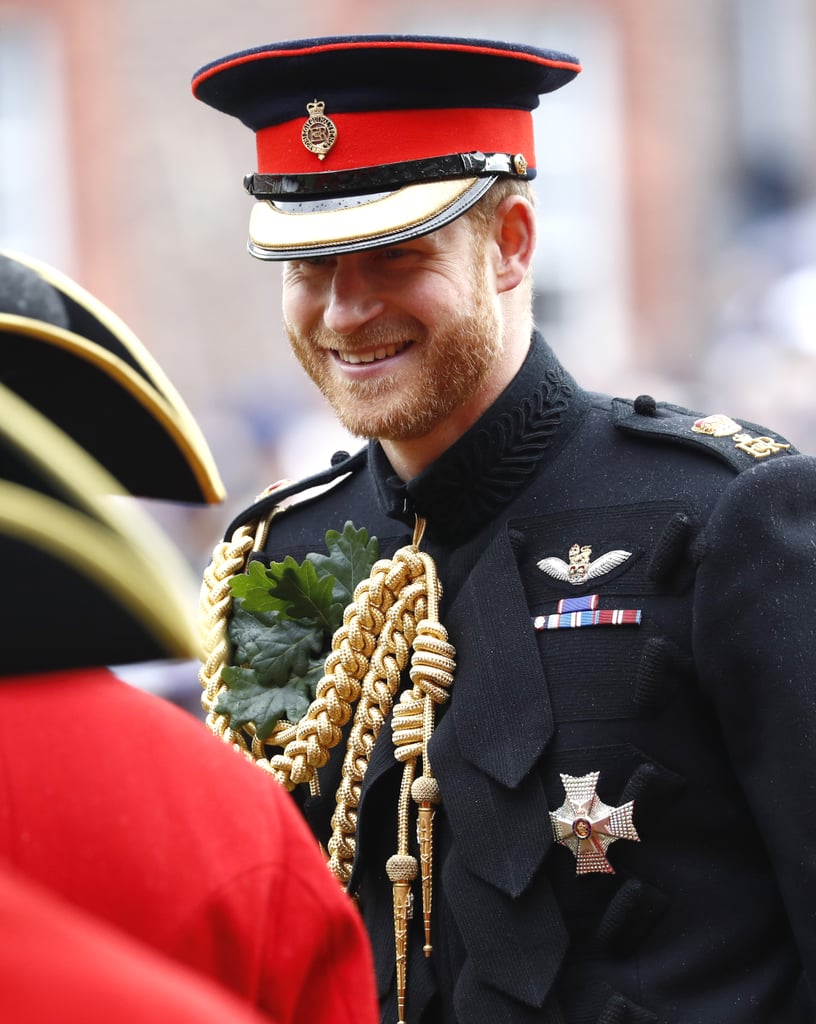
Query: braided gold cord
{"type": "Point", "coordinates": [392, 612]}
{"type": "Point", "coordinates": [432, 667]}
{"type": "Point", "coordinates": [229, 558]}
{"type": "Point", "coordinates": [215, 604]}
{"type": "Point", "coordinates": [380, 684]}
{"type": "Point", "coordinates": [401, 869]}
{"type": "Point", "coordinates": [364, 656]}
{"type": "Point", "coordinates": [393, 618]}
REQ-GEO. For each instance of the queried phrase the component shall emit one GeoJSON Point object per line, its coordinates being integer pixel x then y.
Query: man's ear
{"type": "Point", "coordinates": [515, 235]}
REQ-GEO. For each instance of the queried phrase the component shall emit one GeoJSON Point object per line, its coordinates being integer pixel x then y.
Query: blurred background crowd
{"type": "Point", "coordinates": [676, 190]}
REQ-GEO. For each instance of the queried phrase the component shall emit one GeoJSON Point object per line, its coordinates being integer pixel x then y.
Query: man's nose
{"type": "Point", "coordinates": [353, 298]}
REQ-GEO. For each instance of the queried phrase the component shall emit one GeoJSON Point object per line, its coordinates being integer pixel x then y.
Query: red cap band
{"type": "Point", "coordinates": [395, 136]}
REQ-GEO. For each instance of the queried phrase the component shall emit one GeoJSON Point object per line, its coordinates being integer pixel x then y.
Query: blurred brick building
{"type": "Point", "coordinates": [676, 187]}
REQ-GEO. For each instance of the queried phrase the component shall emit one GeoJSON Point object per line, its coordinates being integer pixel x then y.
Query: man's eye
{"type": "Point", "coordinates": [311, 270]}
{"type": "Point", "coordinates": [395, 253]}
{"type": "Point", "coordinates": [308, 265]}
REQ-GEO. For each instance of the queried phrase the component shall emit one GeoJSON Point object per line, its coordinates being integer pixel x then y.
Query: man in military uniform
{"type": "Point", "coordinates": [561, 745]}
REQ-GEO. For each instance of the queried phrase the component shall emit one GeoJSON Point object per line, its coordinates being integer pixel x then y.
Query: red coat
{"type": "Point", "coordinates": [59, 964]}
{"type": "Point", "coordinates": [128, 807]}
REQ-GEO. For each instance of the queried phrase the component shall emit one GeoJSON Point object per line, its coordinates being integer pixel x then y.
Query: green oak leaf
{"type": "Point", "coordinates": [253, 588]}
{"type": "Point", "coordinates": [275, 648]}
{"type": "Point", "coordinates": [283, 617]}
{"type": "Point", "coordinates": [305, 594]}
{"type": "Point", "coordinates": [246, 701]}
{"type": "Point", "coordinates": [311, 678]}
{"type": "Point", "coordinates": [351, 557]}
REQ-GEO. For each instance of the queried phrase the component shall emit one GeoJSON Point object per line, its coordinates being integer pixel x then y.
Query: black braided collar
{"type": "Point", "coordinates": [490, 464]}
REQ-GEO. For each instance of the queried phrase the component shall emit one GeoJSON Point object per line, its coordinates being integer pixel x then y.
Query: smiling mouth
{"type": "Point", "coordinates": [386, 352]}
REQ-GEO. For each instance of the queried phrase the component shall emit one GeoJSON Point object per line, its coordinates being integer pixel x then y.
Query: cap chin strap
{"type": "Point", "coordinates": [386, 177]}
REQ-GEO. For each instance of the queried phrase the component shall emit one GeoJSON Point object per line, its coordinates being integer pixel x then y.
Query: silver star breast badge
{"type": "Point", "coordinates": [588, 826]}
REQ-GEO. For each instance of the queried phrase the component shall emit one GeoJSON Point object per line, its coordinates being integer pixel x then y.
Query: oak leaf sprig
{"type": "Point", "coordinates": [284, 615]}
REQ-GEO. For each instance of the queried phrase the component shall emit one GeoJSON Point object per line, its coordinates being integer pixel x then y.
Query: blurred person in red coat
{"type": "Point", "coordinates": [116, 800]}
{"type": "Point", "coordinates": [130, 982]}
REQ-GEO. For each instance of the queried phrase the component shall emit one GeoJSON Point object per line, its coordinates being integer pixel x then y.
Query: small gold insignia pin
{"type": "Point", "coordinates": [717, 425]}
{"type": "Point", "coordinates": [758, 447]}
{"type": "Point", "coordinates": [319, 133]}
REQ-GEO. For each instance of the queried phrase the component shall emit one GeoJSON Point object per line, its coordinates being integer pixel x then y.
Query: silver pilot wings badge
{"type": "Point", "coordinates": [581, 567]}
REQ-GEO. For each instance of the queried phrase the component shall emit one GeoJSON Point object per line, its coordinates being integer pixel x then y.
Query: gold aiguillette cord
{"type": "Point", "coordinates": [432, 666]}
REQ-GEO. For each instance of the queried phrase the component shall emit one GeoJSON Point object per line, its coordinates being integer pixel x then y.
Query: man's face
{"type": "Point", "coordinates": [398, 339]}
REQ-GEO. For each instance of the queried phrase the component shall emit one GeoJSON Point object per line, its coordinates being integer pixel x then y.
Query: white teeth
{"type": "Point", "coordinates": [371, 357]}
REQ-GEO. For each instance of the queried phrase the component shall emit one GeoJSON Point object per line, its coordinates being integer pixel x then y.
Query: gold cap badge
{"type": "Point", "coordinates": [319, 133]}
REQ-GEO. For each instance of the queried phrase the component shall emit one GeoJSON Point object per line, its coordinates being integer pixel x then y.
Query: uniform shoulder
{"type": "Point", "coordinates": [738, 444]}
{"type": "Point", "coordinates": [284, 494]}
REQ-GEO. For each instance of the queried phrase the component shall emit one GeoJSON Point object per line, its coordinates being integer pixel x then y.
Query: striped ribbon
{"type": "Point", "coordinates": [574, 612]}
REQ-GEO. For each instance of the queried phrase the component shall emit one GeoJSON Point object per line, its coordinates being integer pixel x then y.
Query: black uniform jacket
{"type": "Point", "coordinates": [698, 704]}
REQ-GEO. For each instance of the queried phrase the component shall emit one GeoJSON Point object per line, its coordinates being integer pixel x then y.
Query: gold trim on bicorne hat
{"type": "Point", "coordinates": [62, 517]}
{"type": "Point", "coordinates": [175, 460]}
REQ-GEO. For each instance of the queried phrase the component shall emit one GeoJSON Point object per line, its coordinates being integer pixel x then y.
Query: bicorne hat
{"type": "Point", "coordinates": [69, 356]}
{"type": "Point", "coordinates": [89, 578]}
{"type": "Point", "coordinates": [371, 140]}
